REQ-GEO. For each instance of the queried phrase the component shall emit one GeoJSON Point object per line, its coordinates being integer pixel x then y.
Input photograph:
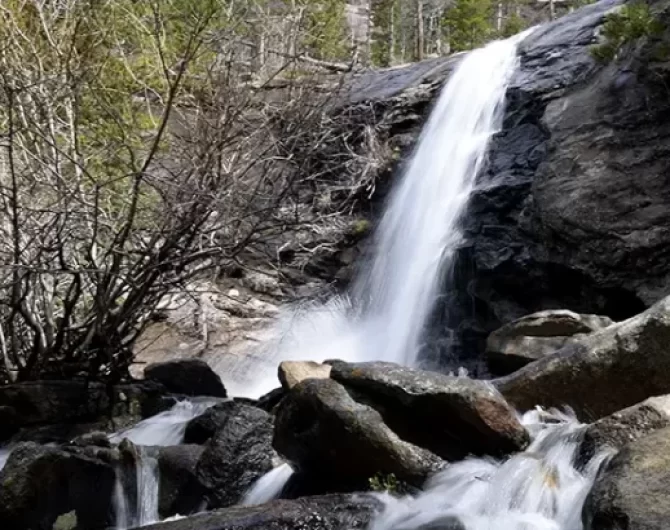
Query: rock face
{"type": "Point", "coordinates": [535, 336]}
{"type": "Point", "coordinates": [451, 416]}
{"type": "Point", "coordinates": [292, 372]}
{"type": "Point", "coordinates": [191, 377]}
{"type": "Point", "coordinates": [239, 453]}
{"type": "Point", "coordinates": [321, 429]}
{"type": "Point", "coordinates": [38, 484]}
{"type": "Point", "coordinates": [328, 512]}
{"type": "Point", "coordinates": [632, 492]}
{"type": "Point", "coordinates": [608, 371]}
{"type": "Point", "coordinates": [202, 428]}
{"type": "Point", "coordinates": [179, 489]}
{"type": "Point", "coordinates": [625, 426]}
{"type": "Point", "coordinates": [61, 405]}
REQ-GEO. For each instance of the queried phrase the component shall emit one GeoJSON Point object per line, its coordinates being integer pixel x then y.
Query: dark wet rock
{"type": "Point", "coordinates": [269, 401]}
{"type": "Point", "coordinates": [201, 428]}
{"type": "Point", "coordinates": [321, 428]}
{"type": "Point", "coordinates": [608, 371]}
{"type": "Point", "coordinates": [451, 416]}
{"type": "Point", "coordinates": [59, 410]}
{"type": "Point", "coordinates": [38, 484]}
{"type": "Point", "coordinates": [96, 438]}
{"type": "Point", "coordinates": [191, 377]}
{"type": "Point", "coordinates": [239, 453]}
{"type": "Point", "coordinates": [534, 336]}
{"type": "Point", "coordinates": [616, 430]}
{"type": "Point", "coordinates": [632, 491]}
{"type": "Point", "coordinates": [328, 512]}
{"type": "Point", "coordinates": [9, 422]}
{"type": "Point", "coordinates": [179, 489]}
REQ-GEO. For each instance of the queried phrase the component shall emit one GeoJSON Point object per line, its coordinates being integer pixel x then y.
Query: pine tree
{"type": "Point", "coordinates": [468, 24]}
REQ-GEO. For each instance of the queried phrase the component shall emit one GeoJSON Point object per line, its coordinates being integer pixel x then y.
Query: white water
{"type": "Point", "coordinates": [385, 316]}
{"type": "Point", "coordinates": [166, 428]}
{"type": "Point", "coordinates": [269, 486]}
{"type": "Point", "coordinates": [539, 489]}
{"type": "Point", "coordinates": [4, 456]}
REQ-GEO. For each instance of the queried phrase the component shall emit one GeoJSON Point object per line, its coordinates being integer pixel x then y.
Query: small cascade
{"type": "Point", "coordinates": [385, 315]}
{"type": "Point", "coordinates": [138, 506]}
{"type": "Point", "coordinates": [166, 428]}
{"type": "Point", "coordinates": [269, 486]}
{"type": "Point", "coordinates": [543, 488]}
{"type": "Point", "coordinates": [4, 456]}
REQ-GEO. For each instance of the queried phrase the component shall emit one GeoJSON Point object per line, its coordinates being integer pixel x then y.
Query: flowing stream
{"type": "Point", "coordinates": [543, 488]}
{"type": "Point", "coordinates": [166, 428]}
{"type": "Point", "coordinates": [385, 314]}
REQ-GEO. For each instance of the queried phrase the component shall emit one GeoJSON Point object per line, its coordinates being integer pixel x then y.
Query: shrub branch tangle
{"type": "Point", "coordinates": [134, 155]}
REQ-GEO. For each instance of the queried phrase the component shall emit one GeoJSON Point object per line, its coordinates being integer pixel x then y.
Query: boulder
{"type": "Point", "coordinates": [179, 489]}
{"type": "Point", "coordinates": [632, 491]}
{"type": "Point", "coordinates": [39, 483]}
{"type": "Point", "coordinates": [191, 377]}
{"type": "Point", "coordinates": [320, 428]}
{"type": "Point", "coordinates": [607, 371]}
{"type": "Point", "coordinates": [202, 428]}
{"type": "Point", "coordinates": [537, 335]}
{"type": "Point", "coordinates": [60, 407]}
{"type": "Point", "coordinates": [451, 416]}
{"type": "Point", "coordinates": [328, 512]}
{"type": "Point", "coordinates": [292, 372]}
{"type": "Point", "coordinates": [616, 430]}
{"type": "Point", "coordinates": [237, 455]}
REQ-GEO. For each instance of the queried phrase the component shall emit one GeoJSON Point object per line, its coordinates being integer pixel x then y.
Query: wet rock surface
{"type": "Point", "coordinates": [534, 336]}
{"type": "Point", "coordinates": [328, 512]}
{"type": "Point", "coordinates": [191, 377]}
{"type": "Point", "coordinates": [320, 429]}
{"type": "Point", "coordinates": [610, 370]}
{"type": "Point", "coordinates": [451, 416]}
{"type": "Point", "coordinates": [632, 492]}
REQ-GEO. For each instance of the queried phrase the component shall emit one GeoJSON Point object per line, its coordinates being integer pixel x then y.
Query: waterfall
{"type": "Point", "coordinates": [385, 315]}
{"type": "Point", "coordinates": [269, 486]}
{"type": "Point", "coordinates": [543, 488]}
{"type": "Point", "coordinates": [166, 428]}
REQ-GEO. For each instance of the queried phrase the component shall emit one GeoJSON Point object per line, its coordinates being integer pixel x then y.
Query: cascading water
{"type": "Point", "coordinates": [269, 486]}
{"type": "Point", "coordinates": [385, 316]}
{"type": "Point", "coordinates": [166, 428]}
{"type": "Point", "coordinates": [542, 488]}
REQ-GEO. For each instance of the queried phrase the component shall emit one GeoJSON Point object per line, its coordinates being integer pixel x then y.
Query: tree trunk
{"type": "Point", "coordinates": [420, 43]}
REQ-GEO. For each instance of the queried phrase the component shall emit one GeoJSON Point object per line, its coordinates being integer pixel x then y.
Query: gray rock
{"type": "Point", "coordinates": [292, 372]}
{"type": "Point", "coordinates": [38, 484]}
{"type": "Point", "coordinates": [191, 377]}
{"type": "Point", "coordinates": [202, 428]}
{"type": "Point", "coordinates": [534, 336]}
{"type": "Point", "coordinates": [236, 456]}
{"type": "Point", "coordinates": [320, 428]}
{"type": "Point", "coordinates": [328, 512]}
{"type": "Point", "coordinates": [632, 492]}
{"type": "Point", "coordinates": [625, 426]}
{"type": "Point", "coordinates": [451, 416]}
{"type": "Point", "coordinates": [609, 370]}
{"type": "Point", "coordinates": [179, 489]}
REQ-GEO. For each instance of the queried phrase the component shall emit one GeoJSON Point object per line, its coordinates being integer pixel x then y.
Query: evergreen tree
{"type": "Point", "coordinates": [326, 29]}
{"type": "Point", "coordinates": [468, 24]}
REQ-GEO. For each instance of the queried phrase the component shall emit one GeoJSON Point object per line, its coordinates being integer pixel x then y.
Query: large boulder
{"type": "Point", "coordinates": [537, 335]}
{"type": "Point", "coordinates": [451, 416]}
{"type": "Point", "coordinates": [191, 377]}
{"type": "Point", "coordinates": [616, 430]}
{"type": "Point", "coordinates": [328, 512]}
{"type": "Point", "coordinates": [321, 429]}
{"type": "Point", "coordinates": [239, 453]}
{"type": "Point", "coordinates": [292, 372]}
{"type": "Point", "coordinates": [59, 407]}
{"type": "Point", "coordinates": [179, 489]}
{"type": "Point", "coordinates": [632, 492]}
{"type": "Point", "coordinates": [39, 483]}
{"type": "Point", "coordinates": [202, 428]}
{"type": "Point", "coordinates": [607, 371]}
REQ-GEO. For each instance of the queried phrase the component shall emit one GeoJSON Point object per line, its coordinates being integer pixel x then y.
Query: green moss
{"type": "Point", "coordinates": [384, 482]}
{"type": "Point", "coordinates": [360, 227]}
